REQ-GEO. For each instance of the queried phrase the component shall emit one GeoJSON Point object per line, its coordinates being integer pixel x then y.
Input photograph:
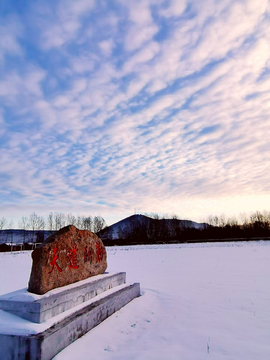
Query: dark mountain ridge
{"type": "Point", "coordinates": [147, 229]}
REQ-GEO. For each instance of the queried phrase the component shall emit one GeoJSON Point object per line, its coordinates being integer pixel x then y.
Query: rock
{"type": "Point", "coordinates": [65, 257]}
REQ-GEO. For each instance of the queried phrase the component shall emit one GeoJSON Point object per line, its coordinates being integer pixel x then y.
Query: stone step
{"type": "Point", "coordinates": [46, 344]}
{"type": "Point", "coordinates": [39, 308]}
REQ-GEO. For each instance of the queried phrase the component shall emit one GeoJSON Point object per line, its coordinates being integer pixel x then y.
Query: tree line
{"type": "Point", "coordinates": [56, 221]}
{"type": "Point", "coordinates": [153, 229]}
{"type": "Point", "coordinates": [257, 224]}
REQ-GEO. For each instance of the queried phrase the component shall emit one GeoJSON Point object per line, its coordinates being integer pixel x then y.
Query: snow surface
{"type": "Point", "coordinates": [199, 301]}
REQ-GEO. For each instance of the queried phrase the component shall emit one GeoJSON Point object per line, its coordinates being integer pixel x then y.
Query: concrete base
{"type": "Point", "coordinates": [77, 321]}
{"type": "Point", "coordinates": [39, 308]}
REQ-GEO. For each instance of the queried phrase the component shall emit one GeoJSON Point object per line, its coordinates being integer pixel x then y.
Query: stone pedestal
{"type": "Point", "coordinates": [62, 315]}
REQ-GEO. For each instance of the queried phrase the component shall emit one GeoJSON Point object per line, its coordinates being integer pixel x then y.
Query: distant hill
{"type": "Point", "coordinates": [144, 227]}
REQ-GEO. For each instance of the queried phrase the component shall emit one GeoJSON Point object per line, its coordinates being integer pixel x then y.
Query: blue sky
{"type": "Point", "coordinates": [153, 105]}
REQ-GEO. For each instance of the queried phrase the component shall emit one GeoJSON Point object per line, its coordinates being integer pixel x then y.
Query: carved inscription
{"type": "Point", "coordinates": [87, 254]}
{"type": "Point", "coordinates": [99, 252]}
{"type": "Point", "coordinates": [53, 262]}
{"type": "Point", "coordinates": [72, 254]}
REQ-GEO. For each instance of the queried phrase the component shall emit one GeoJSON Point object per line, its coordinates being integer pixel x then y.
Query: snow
{"type": "Point", "coordinates": [24, 295]}
{"type": "Point", "coordinates": [12, 324]}
{"type": "Point", "coordinates": [199, 301]}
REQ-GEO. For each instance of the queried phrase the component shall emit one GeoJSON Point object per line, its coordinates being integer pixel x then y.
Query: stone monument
{"type": "Point", "coordinates": [65, 257]}
{"type": "Point", "coordinates": [68, 294]}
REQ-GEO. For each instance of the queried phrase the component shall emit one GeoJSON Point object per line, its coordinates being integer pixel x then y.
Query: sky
{"type": "Point", "coordinates": [153, 106]}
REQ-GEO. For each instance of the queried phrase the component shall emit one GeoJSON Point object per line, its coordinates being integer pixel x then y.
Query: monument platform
{"type": "Point", "coordinates": [39, 326]}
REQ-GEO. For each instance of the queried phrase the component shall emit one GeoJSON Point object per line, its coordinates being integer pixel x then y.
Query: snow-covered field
{"type": "Point", "coordinates": [199, 301]}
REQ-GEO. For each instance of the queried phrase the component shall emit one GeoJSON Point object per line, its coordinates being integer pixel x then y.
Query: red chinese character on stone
{"type": "Point", "coordinates": [87, 254]}
{"type": "Point", "coordinates": [72, 254]}
{"type": "Point", "coordinates": [53, 262]}
{"type": "Point", "coordinates": [99, 252]}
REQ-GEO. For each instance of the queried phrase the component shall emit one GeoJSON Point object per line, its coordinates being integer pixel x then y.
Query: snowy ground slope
{"type": "Point", "coordinates": [200, 301]}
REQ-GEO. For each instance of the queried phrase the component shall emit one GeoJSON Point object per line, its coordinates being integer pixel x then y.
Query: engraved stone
{"type": "Point", "coordinates": [65, 257]}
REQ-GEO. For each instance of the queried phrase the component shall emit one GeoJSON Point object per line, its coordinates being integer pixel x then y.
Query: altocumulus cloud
{"type": "Point", "coordinates": [114, 105]}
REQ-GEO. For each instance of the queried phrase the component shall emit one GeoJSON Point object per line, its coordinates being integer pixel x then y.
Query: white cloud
{"type": "Point", "coordinates": [138, 35]}
{"type": "Point", "coordinates": [139, 12]}
{"type": "Point", "coordinates": [79, 85]}
{"type": "Point", "coordinates": [82, 64]}
{"type": "Point", "coordinates": [32, 81]}
{"type": "Point", "coordinates": [46, 113]}
{"type": "Point", "coordinates": [156, 85]}
{"type": "Point", "coordinates": [72, 8]}
{"type": "Point", "coordinates": [175, 8]}
{"type": "Point", "coordinates": [11, 30]}
{"type": "Point", "coordinates": [155, 124]}
{"type": "Point", "coordinates": [54, 36]}
{"type": "Point", "coordinates": [63, 25]}
{"type": "Point", "coordinates": [142, 56]}
{"type": "Point", "coordinates": [228, 30]}
{"type": "Point", "coordinates": [258, 57]}
{"type": "Point", "coordinates": [106, 46]}
{"type": "Point", "coordinates": [3, 127]}
{"type": "Point", "coordinates": [8, 85]}
{"type": "Point", "coordinates": [14, 86]}
{"type": "Point", "coordinates": [143, 27]}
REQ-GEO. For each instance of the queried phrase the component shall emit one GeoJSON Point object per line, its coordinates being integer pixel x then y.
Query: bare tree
{"type": "Point", "coordinates": [256, 217]}
{"type": "Point", "coordinates": [2, 222]}
{"type": "Point", "coordinates": [175, 226]}
{"type": "Point", "coordinates": [98, 224]}
{"type": "Point", "coordinates": [213, 220]}
{"type": "Point", "coordinates": [216, 220]}
{"type": "Point", "coordinates": [59, 220]}
{"type": "Point", "coordinates": [232, 221]}
{"type": "Point", "coordinates": [40, 223]}
{"type": "Point", "coordinates": [222, 221]}
{"type": "Point", "coordinates": [24, 225]}
{"type": "Point", "coordinates": [259, 222]}
{"type": "Point", "coordinates": [10, 226]}
{"type": "Point", "coordinates": [50, 221]}
{"type": "Point", "coordinates": [210, 220]}
{"type": "Point", "coordinates": [163, 228]}
{"type": "Point", "coordinates": [266, 215]}
{"type": "Point", "coordinates": [79, 222]}
{"type": "Point", "coordinates": [88, 223]}
{"type": "Point", "coordinates": [71, 219]}
{"type": "Point", "coordinates": [33, 221]}
{"type": "Point", "coordinates": [36, 223]}
{"type": "Point", "coordinates": [156, 226]}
